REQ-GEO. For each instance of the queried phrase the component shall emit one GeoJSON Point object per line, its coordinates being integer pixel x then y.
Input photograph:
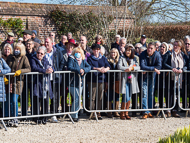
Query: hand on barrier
{"type": "Point", "coordinates": [157, 71]}
{"type": "Point", "coordinates": [82, 71]}
{"type": "Point", "coordinates": [17, 73]}
{"type": "Point", "coordinates": [6, 81]}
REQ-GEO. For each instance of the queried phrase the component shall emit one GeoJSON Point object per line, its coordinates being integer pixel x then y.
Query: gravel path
{"type": "Point", "coordinates": [106, 130]}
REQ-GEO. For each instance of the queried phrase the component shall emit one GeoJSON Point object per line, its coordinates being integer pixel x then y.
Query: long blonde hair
{"type": "Point", "coordinates": [110, 59]}
{"type": "Point", "coordinates": [78, 49]}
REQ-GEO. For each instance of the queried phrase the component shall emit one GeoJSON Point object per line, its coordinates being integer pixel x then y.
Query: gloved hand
{"type": "Point", "coordinates": [6, 81]}
{"type": "Point", "coordinates": [17, 73]}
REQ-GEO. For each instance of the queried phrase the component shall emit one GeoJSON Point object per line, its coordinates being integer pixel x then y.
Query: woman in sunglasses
{"type": "Point", "coordinates": [42, 86]}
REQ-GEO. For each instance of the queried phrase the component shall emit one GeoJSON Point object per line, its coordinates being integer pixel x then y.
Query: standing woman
{"type": "Point", "coordinates": [129, 80]}
{"type": "Point", "coordinates": [113, 61]}
{"type": "Point", "coordinates": [7, 51]}
{"type": "Point", "coordinates": [78, 64]}
{"type": "Point", "coordinates": [4, 69]}
{"type": "Point", "coordinates": [19, 64]}
{"type": "Point", "coordinates": [175, 61]}
{"type": "Point", "coordinates": [39, 63]}
{"type": "Point", "coordinates": [99, 40]}
{"type": "Point", "coordinates": [99, 63]}
{"type": "Point", "coordinates": [70, 45]}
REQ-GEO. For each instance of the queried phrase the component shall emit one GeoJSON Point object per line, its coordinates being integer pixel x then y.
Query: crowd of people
{"type": "Point", "coordinates": [30, 54]}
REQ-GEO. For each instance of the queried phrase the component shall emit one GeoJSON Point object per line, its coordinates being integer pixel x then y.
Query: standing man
{"type": "Point", "coordinates": [69, 35]}
{"type": "Point", "coordinates": [137, 48]}
{"type": "Point", "coordinates": [27, 34]}
{"type": "Point", "coordinates": [157, 44]}
{"type": "Point", "coordinates": [122, 44]}
{"type": "Point", "coordinates": [34, 38]}
{"type": "Point", "coordinates": [10, 40]}
{"type": "Point", "coordinates": [61, 45]}
{"type": "Point", "coordinates": [56, 60]}
{"type": "Point", "coordinates": [52, 35]}
{"type": "Point", "coordinates": [116, 44]}
{"type": "Point", "coordinates": [150, 60]}
{"type": "Point", "coordinates": [187, 44]}
{"type": "Point", "coordinates": [143, 41]}
{"type": "Point", "coordinates": [87, 50]}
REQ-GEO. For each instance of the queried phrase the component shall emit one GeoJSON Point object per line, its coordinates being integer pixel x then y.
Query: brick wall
{"type": "Point", "coordinates": [35, 15]}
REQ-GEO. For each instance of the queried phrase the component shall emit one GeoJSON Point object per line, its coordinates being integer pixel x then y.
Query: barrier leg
{"type": "Point", "coordinates": [163, 114]}
{"type": "Point", "coordinates": [158, 113]}
{"type": "Point", "coordinates": [71, 118]}
{"type": "Point", "coordinates": [96, 116]}
{"type": "Point", "coordinates": [90, 116]}
{"type": "Point", "coordinates": [63, 117]}
{"type": "Point", "coordinates": [186, 114]}
{"type": "Point", "coordinates": [4, 125]}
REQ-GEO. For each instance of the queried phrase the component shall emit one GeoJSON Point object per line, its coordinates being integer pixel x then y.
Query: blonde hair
{"type": "Point", "coordinates": [78, 50]}
{"type": "Point", "coordinates": [110, 59]}
{"type": "Point", "coordinates": [9, 46]}
{"type": "Point", "coordinates": [99, 36]}
{"type": "Point", "coordinates": [21, 47]}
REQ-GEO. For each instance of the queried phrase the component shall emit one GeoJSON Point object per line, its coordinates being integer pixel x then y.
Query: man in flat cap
{"type": "Point", "coordinates": [27, 34]}
{"type": "Point", "coordinates": [10, 40]}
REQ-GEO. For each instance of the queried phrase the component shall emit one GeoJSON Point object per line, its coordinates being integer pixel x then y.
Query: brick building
{"type": "Point", "coordinates": [35, 15]}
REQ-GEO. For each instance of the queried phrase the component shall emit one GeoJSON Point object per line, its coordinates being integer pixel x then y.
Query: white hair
{"type": "Point", "coordinates": [158, 42]}
{"type": "Point", "coordinates": [138, 44]}
{"type": "Point", "coordinates": [170, 45]}
{"type": "Point", "coordinates": [42, 48]}
{"type": "Point", "coordinates": [123, 38]}
{"type": "Point", "coordinates": [143, 48]}
{"type": "Point", "coordinates": [187, 37]}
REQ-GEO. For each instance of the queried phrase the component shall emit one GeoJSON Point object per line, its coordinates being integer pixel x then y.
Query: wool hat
{"type": "Point", "coordinates": [143, 36]}
{"type": "Point", "coordinates": [34, 31]}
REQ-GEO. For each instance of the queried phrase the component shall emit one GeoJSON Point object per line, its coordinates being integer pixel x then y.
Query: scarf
{"type": "Point", "coordinates": [177, 62]}
{"type": "Point", "coordinates": [95, 58]}
{"type": "Point", "coordinates": [99, 43]}
{"type": "Point", "coordinates": [79, 60]}
{"type": "Point", "coordinates": [10, 42]}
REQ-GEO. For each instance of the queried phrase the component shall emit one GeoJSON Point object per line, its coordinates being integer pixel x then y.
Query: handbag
{"type": "Point", "coordinates": [9, 88]}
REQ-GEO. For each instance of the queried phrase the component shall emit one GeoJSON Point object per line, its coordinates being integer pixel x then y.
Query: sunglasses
{"type": "Point", "coordinates": [187, 44]}
{"type": "Point", "coordinates": [162, 47]}
{"type": "Point", "coordinates": [40, 53]}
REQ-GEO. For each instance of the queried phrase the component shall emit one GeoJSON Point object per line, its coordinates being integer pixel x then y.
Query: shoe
{"type": "Point", "coordinates": [99, 116]}
{"type": "Point", "coordinates": [44, 121]}
{"type": "Point", "coordinates": [75, 119]}
{"type": "Point", "coordinates": [145, 116]}
{"type": "Point", "coordinates": [150, 115]}
{"type": "Point", "coordinates": [15, 123]}
{"type": "Point", "coordinates": [54, 119]}
{"type": "Point", "coordinates": [116, 114]}
{"type": "Point", "coordinates": [122, 114]}
{"type": "Point", "coordinates": [126, 113]}
{"type": "Point", "coordinates": [174, 114]}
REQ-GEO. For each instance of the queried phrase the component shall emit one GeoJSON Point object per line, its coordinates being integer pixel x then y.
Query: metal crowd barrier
{"type": "Point", "coordinates": [60, 84]}
{"type": "Point", "coordinates": [164, 78]}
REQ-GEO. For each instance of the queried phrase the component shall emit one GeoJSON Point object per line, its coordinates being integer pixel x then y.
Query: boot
{"type": "Point", "coordinates": [109, 114]}
{"type": "Point", "coordinates": [126, 113]}
{"type": "Point", "coordinates": [122, 114]}
{"type": "Point", "coordinates": [116, 114]}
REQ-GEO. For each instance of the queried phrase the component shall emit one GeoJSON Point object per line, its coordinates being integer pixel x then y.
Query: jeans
{"type": "Point", "coordinates": [13, 102]}
{"type": "Point", "coordinates": [126, 97]}
{"type": "Point", "coordinates": [75, 105]}
{"type": "Point", "coordinates": [150, 89]}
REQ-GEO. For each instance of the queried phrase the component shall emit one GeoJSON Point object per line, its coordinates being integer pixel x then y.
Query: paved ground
{"type": "Point", "coordinates": [106, 130]}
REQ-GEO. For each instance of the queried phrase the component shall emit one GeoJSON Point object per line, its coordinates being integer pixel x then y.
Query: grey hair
{"type": "Point", "coordinates": [42, 48]}
{"type": "Point", "coordinates": [187, 37]}
{"type": "Point", "coordinates": [123, 38]}
{"type": "Point", "coordinates": [143, 48]}
{"type": "Point", "coordinates": [70, 33]}
{"type": "Point", "coordinates": [170, 45]}
{"type": "Point", "coordinates": [138, 44]}
{"type": "Point", "coordinates": [158, 42]}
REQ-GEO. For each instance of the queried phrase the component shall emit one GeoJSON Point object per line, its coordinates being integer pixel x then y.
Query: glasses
{"type": "Point", "coordinates": [29, 44]}
{"type": "Point", "coordinates": [137, 47]}
{"type": "Point", "coordinates": [162, 47]}
{"type": "Point", "coordinates": [52, 35]}
{"type": "Point", "coordinates": [187, 44]}
{"type": "Point", "coordinates": [40, 53]}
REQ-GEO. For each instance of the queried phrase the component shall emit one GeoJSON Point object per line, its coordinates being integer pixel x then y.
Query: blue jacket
{"type": "Point", "coordinates": [167, 61]}
{"type": "Point", "coordinates": [150, 63]}
{"type": "Point", "coordinates": [58, 62]}
{"type": "Point", "coordinates": [36, 67]}
{"type": "Point", "coordinates": [102, 62]}
{"type": "Point", "coordinates": [61, 47]}
{"type": "Point", "coordinates": [74, 66]}
{"type": "Point", "coordinates": [30, 55]}
{"type": "Point", "coordinates": [4, 70]}
{"type": "Point", "coordinates": [37, 40]}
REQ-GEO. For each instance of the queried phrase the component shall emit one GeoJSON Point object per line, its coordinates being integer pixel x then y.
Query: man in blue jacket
{"type": "Point", "coordinates": [61, 45]}
{"type": "Point", "coordinates": [150, 60]}
{"type": "Point", "coordinates": [56, 60]}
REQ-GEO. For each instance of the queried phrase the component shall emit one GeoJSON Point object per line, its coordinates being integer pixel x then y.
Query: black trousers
{"type": "Point", "coordinates": [55, 100]}
{"type": "Point", "coordinates": [40, 106]}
